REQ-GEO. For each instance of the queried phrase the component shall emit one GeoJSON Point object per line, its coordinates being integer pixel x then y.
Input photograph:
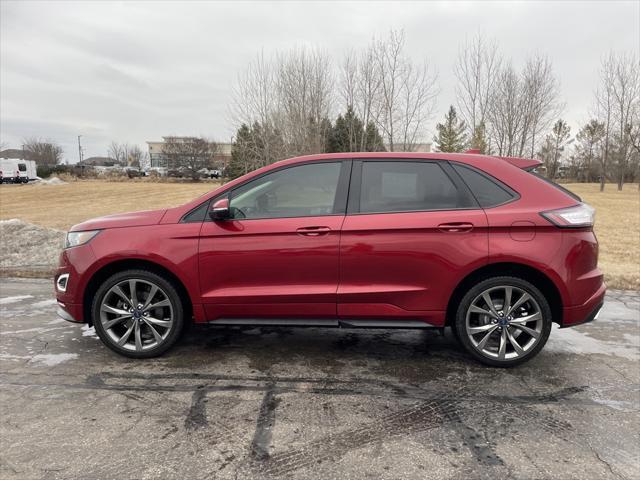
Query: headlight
{"type": "Point", "coordinates": [75, 239]}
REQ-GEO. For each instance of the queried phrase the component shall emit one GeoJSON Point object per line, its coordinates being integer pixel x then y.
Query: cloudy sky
{"type": "Point", "coordinates": [137, 71]}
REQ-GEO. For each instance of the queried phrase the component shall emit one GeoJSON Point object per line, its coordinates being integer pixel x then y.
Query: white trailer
{"type": "Point", "coordinates": [15, 170]}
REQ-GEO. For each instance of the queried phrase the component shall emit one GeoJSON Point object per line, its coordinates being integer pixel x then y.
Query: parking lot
{"type": "Point", "coordinates": [313, 403]}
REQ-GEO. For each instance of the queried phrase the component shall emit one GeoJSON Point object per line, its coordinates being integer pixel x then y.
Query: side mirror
{"type": "Point", "coordinates": [220, 210]}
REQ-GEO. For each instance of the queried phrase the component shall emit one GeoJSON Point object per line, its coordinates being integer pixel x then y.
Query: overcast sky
{"type": "Point", "coordinates": [137, 71]}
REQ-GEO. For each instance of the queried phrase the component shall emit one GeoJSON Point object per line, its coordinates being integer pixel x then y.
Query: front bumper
{"type": "Point", "coordinates": [69, 312]}
{"type": "Point", "coordinates": [586, 312]}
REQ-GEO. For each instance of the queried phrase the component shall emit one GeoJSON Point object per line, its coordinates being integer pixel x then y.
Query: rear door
{"type": "Point", "coordinates": [278, 255]}
{"type": "Point", "coordinates": [413, 230]}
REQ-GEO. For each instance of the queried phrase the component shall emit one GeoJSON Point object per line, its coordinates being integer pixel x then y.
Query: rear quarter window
{"type": "Point", "coordinates": [489, 191]}
{"type": "Point", "coordinates": [555, 185]}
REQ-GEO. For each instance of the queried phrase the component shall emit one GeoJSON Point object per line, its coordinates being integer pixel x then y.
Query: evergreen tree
{"type": "Point", "coordinates": [373, 139]}
{"type": "Point", "coordinates": [589, 148]}
{"type": "Point", "coordinates": [553, 146]}
{"type": "Point", "coordinates": [451, 134]}
{"type": "Point", "coordinates": [350, 135]}
{"type": "Point", "coordinates": [242, 153]}
{"type": "Point", "coordinates": [479, 139]}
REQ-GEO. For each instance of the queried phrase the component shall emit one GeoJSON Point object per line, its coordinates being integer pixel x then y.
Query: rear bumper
{"type": "Point", "coordinates": [586, 312]}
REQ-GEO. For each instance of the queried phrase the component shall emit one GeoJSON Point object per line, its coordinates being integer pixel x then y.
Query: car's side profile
{"type": "Point", "coordinates": [391, 240]}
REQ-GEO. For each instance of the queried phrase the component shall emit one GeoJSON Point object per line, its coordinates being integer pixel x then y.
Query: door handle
{"type": "Point", "coordinates": [456, 227]}
{"type": "Point", "coordinates": [313, 231]}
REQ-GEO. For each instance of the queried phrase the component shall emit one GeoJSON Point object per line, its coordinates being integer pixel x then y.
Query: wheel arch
{"type": "Point", "coordinates": [538, 278]}
{"type": "Point", "coordinates": [116, 266]}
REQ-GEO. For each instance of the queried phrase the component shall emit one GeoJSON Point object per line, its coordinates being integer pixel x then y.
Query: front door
{"type": "Point", "coordinates": [277, 257]}
{"type": "Point", "coordinates": [412, 231]}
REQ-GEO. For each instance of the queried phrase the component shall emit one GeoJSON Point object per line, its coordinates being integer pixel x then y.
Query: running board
{"type": "Point", "coordinates": [313, 322]}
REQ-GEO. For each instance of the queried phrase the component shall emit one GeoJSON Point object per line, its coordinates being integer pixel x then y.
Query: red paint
{"type": "Point", "coordinates": [387, 265]}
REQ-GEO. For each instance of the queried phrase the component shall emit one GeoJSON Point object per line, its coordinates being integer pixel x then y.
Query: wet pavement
{"type": "Point", "coordinates": [313, 403]}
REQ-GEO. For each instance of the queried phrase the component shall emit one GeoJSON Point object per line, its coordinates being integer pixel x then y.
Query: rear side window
{"type": "Point", "coordinates": [489, 192]}
{"type": "Point", "coordinates": [407, 186]}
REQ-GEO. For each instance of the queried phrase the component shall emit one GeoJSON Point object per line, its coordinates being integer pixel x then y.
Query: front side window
{"type": "Point", "coordinates": [407, 186]}
{"type": "Point", "coordinates": [22, 167]}
{"type": "Point", "coordinates": [301, 191]}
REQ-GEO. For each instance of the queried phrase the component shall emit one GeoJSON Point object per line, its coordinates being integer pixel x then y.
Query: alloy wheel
{"type": "Point", "coordinates": [136, 315]}
{"type": "Point", "coordinates": [504, 323]}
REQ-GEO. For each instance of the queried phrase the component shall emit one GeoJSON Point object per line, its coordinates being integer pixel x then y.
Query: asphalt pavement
{"type": "Point", "coordinates": [313, 403]}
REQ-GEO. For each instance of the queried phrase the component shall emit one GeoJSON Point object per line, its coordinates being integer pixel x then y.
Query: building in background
{"type": "Point", "coordinates": [158, 158]}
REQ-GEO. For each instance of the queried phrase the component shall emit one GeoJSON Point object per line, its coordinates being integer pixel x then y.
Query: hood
{"type": "Point", "coordinates": [131, 219]}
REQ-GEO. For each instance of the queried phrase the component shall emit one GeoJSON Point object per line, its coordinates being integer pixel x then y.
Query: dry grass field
{"type": "Point", "coordinates": [618, 231]}
{"type": "Point", "coordinates": [60, 206]}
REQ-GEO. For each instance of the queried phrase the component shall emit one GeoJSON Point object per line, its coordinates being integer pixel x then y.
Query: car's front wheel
{"type": "Point", "coordinates": [137, 313]}
{"type": "Point", "coordinates": [503, 321]}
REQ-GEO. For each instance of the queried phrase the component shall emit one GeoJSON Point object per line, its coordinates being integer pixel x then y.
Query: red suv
{"type": "Point", "coordinates": [387, 240]}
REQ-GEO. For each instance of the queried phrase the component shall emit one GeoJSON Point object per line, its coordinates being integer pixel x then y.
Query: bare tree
{"type": "Point", "coordinates": [189, 154]}
{"type": "Point", "coordinates": [617, 104]}
{"type": "Point", "coordinates": [476, 70]}
{"type": "Point", "coordinates": [521, 106]}
{"type": "Point", "coordinates": [286, 100]}
{"type": "Point", "coordinates": [406, 95]}
{"type": "Point", "coordinates": [137, 157]}
{"type": "Point", "coordinates": [504, 113]}
{"type": "Point", "coordinates": [43, 152]}
{"type": "Point", "coordinates": [119, 153]}
{"type": "Point", "coordinates": [304, 86]}
{"type": "Point", "coordinates": [360, 83]}
{"type": "Point", "coordinates": [604, 111]}
{"type": "Point", "coordinates": [626, 97]}
{"type": "Point", "coordinates": [540, 101]}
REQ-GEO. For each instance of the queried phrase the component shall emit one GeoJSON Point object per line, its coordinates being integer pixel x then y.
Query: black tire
{"type": "Point", "coordinates": [460, 327]}
{"type": "Point", "coordinates": [167, 288]}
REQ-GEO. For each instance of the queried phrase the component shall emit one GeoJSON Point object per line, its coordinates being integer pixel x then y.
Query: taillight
{"type": "Point", "coordinates": [579, 216]}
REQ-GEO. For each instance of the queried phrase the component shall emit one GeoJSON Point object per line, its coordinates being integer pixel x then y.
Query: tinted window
{"type": "Point", "coordinates": [302, 191]}
{"type": "Point", "coordinates": [487, 191]}
{"type": "Point", "coordinates": [555, 185]}
{"type": "Point", "coordinates": [22, 167]}
{"type": "Point", "coordinates": [198, 214]}
{"type": "Point", "coordinates": [406, 186]}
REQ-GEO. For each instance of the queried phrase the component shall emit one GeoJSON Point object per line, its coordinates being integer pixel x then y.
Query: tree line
{"type": "Point", "coordinates": [284, 105]}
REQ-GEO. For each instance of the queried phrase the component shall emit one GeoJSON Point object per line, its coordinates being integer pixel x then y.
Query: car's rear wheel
{"type": "Point", "coordinates": [503, 321]}
{"type": "Point", "coordinates": [137, 313]}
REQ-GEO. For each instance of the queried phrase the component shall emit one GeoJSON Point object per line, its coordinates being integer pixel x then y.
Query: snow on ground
{"type": "Point", "coordinates": [51, 181]}
{"type": "Point", "coordinates": [29, 246]}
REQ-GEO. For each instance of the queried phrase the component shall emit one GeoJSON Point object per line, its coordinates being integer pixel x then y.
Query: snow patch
{"type": "Point", "coordinates": [53, 359]}
{"type": "Point", "coordinates": [51, 181]}
{"type": "Point", "coordinates": [26, 245]}
{"type": "Point", "coordinates": [88, 331]}
{"type": "Point", "coordinates": [44, 303]}
{"type": "Point", "coordinates": [14, 299]}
